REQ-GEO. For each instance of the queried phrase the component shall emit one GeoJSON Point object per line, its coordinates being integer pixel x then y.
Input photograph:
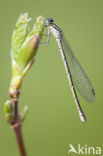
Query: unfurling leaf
{"type": "Point", "coordinates": [24, 48]}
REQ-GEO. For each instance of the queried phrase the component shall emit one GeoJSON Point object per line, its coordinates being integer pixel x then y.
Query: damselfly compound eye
{"type": "Point", "coordinates": [49, 21]}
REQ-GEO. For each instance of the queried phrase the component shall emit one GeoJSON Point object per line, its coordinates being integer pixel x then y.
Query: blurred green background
{"type": "Point", "coordinates": [53, 123]}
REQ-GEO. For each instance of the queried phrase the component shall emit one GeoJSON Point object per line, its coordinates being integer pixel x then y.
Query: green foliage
{"type": "Point", "coordinates": [19, 34]}
{"type": "Point", "coordinates": [24, 47]}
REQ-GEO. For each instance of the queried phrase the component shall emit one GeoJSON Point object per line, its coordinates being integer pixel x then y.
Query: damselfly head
{"type": "Point", "coordinates": [49, 21]}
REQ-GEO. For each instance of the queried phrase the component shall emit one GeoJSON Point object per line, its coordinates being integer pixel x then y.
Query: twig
{"type": "Point", "coordinates": [18, 133]}
{"type": "Point", "coordinates": [17, 124]}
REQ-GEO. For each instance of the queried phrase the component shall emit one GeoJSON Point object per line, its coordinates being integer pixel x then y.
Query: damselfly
{"type": "Point", "coordinates": [75, 73]}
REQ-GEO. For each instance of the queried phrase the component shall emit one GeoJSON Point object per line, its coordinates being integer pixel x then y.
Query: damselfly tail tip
{"type": "Point", "coordinates": [83, 118]}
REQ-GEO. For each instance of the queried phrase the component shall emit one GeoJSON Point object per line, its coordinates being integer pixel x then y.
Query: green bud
{"type": "Point", "coordinates": [27, 67]}
{"type": "Point", "coordinates": [16, 80]}
{"type": "Point", "coordinates": [8, 107]}
{"type": "Point", "coordinates": [25, 111]}
{"type": "Point", "coordinates": [28, 51]}
{"type": "Point", "coordinates": [23, 114]}
{"type": "Point", "coordinates": [9, 117]}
